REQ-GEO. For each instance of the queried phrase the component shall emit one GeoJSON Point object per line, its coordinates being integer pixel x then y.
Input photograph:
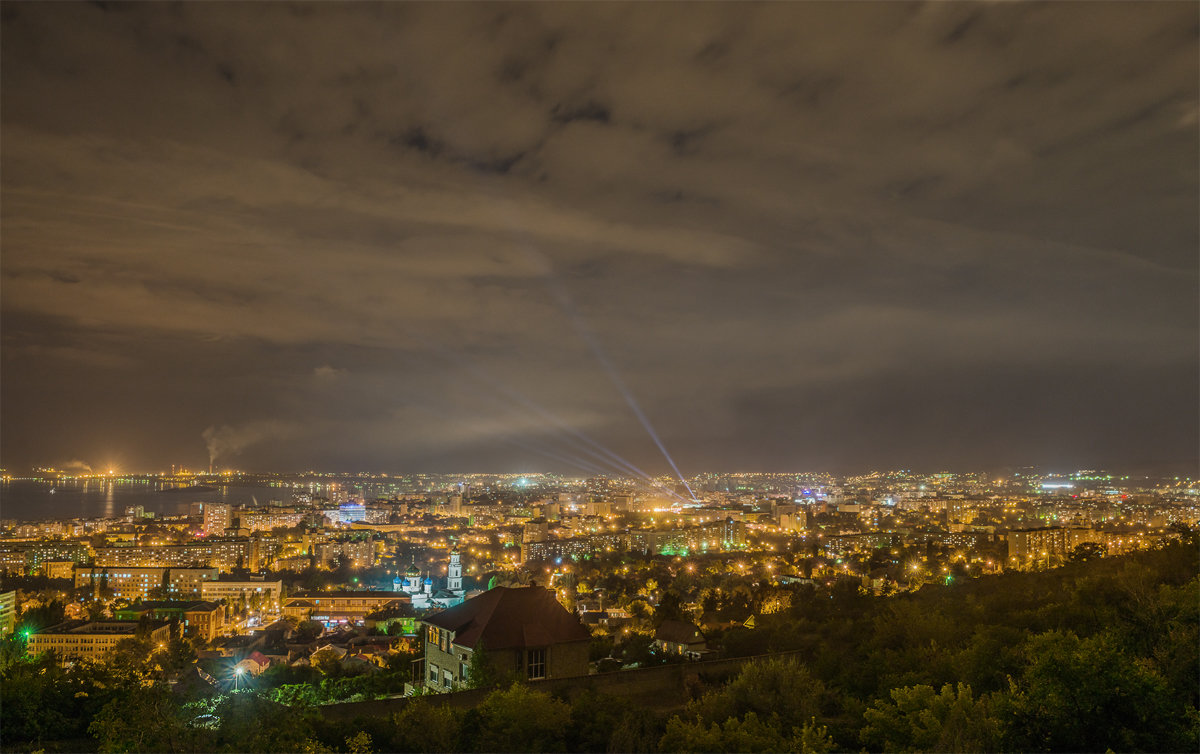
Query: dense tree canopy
{"type": "Point", "coordinates": [1099, 654]}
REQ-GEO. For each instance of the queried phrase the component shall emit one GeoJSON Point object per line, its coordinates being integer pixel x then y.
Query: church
{"type": "Point", "coordinates": [421, 591]}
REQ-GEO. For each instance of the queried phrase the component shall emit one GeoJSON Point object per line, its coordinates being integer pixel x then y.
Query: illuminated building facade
{"type": "Point", "coordinates": [83, 640]}
{"type": "Point", "coordinates": [197, 618]}
{"type": "Point", "coordinates": [1028, 547]}
{"type": "Point", "coordinates": [125, 582]}
{"type": "Point", "coordinates": [574, 548]}
{"type": "Point", "coordinates": [268, 593]}
{"type": "Point", "coordinates": [714, 537]}
{"type": "Point", "coordinates": [358, 553]}
{"type": "Point", "coordinates": [8, 612]}
{"type": "Point", "coordinates": [222, 553]}
{"type": "Point", "coordinates": [189, 582]}
{"type": "Point", "coordinates": [342, 607]}
{"type": "Point", "coordinates": [217, 518]}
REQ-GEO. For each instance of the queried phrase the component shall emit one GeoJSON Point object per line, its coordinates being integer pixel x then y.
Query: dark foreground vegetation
{"type": "Point", "coordinates": [1089, 657]}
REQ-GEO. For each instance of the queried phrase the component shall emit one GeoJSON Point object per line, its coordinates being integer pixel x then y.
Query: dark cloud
{"type": "Point", "coordinates": [802, 234]}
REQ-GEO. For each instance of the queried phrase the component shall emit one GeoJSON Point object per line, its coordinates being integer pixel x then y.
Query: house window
{"type": "Point", "coordinates": [432, 636]}
{"type": "Point", "coordinates": [433, 674]}
{"type": "Point", "coordinates": [535, 663]}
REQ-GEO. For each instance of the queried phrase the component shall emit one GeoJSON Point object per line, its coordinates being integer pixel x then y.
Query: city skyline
{"type": "Point", "coordinates": [579, 238]}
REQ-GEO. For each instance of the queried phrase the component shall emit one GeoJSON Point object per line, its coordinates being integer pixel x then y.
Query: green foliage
{"type": "Point", "coordinates": [481, 672]}
{"type": "Point", "coordinates": [250, 722]}
{"type": "Point", "coordinates": [640, 731]}
{"type": "Point", "coordinates": [1095, 655]}
{"type": "Point", "coordinates": [313, 688]}
{"type": "Point", "coordinates": [917, 718]}
{"type": "Point", "coordinates": [308, 630]}
{"type": "Point", "coordinates": [1087, 551]}
{"type": "Point", "coordinates": [359, 743]}
{"type": "Point", "coordinates": [812, 739]}
{"type": "Point", "coordinates": [595, 718]}
{"type": "Point", "coordinates": [313, 746]}
{"type": "Point", "coordinates": [424, 727]}
{"type": "Point", "coordinates": [770, 705]}
{"type": "Point", "coordinates": [1089, 695]}
{"type": "Point", "coordinates": [145, 719]}
{"type": "Point", "coordinates": [519, 719]}
{"type": "Point", "coordinates": [600, 647]}
{"type": "Point", "coordinates": [12, 651]}
{"type": "Point", "coordinates": [779, 691]}
{"type": "Point", "coordinates": [746, 734]}
{"type": "Point", "coordinates": [131, 657]}
{"type": "Point", "coordinates": [43, 702]}
{"type": "Point", "coordinates": [42, 616]}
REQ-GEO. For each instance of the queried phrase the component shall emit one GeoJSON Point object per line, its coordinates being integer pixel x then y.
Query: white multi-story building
{"type": "Point", "coordinates": [217, 518]}
{"type": "Point", "coordinates": [126, 582]}
{"type": "Point", "coordinates": [269, 593]}
{"type": "Point", "coordinates": [81, 640]}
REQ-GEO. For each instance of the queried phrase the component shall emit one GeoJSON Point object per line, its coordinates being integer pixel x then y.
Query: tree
{"type": "Point", "coordinates": [812, 739]}
{"type": "Point", "coordinates": [669, 609]}
{"type": "Point", "coordinates": [640, 730]}
{"type": "Point", "coordinates": [249, 722]}
{"type": "Point", "coordinates": [180, 655]}
{"type": "Point", "coordinates": [308, 630]}
{"type": "Point", "coordinates": [779, 691]}
{"type": "Point", "coordinates": [594, 718]}
{"type": "Point", "coordinates": [359, 743]}
{"type": "Point", "coordinates": [519, 719]}
{"type": "Point", "coordinates": [145, 719]}
{"type": "Point", "coordinates": [95, 610]}
{"type": "Point", "coordinates": [1091, 695]}
{"type": "Point", "coordinates": [130, 658]}
{"type": "Point", "coordinates": [919, 719]}
{"type": "Point", "coordinates": [748, 734]}
{"type": "Point", "coordinates": [42, 616]}
{"type": "Point", "coordinates": [481, 673]}
{"type": "Point", "coordinates": [423, 727]}
{"type": "Point", "coordinates": [1086, 551]}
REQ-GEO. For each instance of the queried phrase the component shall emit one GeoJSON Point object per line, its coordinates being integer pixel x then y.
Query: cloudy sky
{"type": "Point", "coordinates": [487, 237]}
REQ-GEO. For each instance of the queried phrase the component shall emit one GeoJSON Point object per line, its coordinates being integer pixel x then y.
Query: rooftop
{"type": "Point", "coordinates": [101, 627]}
{"type": "Point", "coordinates": [507, 618]}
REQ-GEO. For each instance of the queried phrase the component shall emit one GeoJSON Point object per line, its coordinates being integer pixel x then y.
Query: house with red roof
{"type": "Point", "coordinates": [523, 633]}
{"type": "Point", "coordinates": [254, 663]}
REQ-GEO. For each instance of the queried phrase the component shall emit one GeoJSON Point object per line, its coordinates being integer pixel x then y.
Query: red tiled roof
{"type": "Point", "coordinates": [259, 657]}
{"type": "Point", "coordinates": [508, 618]}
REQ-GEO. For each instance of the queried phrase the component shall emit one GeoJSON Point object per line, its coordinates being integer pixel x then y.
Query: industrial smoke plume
{"type": "Point", "coordinates": [226, 440]}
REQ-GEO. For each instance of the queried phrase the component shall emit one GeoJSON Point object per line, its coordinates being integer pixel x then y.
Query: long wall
{"type": "Point", "coordinates": [660, 687]}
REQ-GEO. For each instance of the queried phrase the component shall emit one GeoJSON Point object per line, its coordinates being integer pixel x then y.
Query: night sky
{"type": "Point", "coordinates": [406, 237]}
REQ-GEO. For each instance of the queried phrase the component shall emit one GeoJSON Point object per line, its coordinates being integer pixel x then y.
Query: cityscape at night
{"type": "Point", "coordinates": [599, 377]}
